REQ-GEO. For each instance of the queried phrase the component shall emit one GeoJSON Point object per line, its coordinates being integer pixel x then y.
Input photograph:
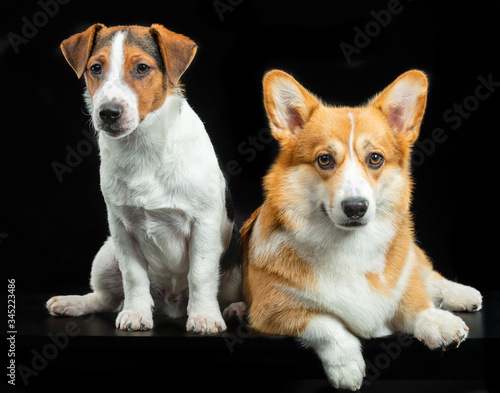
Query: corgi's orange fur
{"type": "Point", "coordinates": [330, 255]}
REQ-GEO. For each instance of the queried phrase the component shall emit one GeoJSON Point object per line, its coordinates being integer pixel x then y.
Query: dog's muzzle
{"type": "Point", "coordinates": [110, 113]}
{"type": "Point", "coordinates": [110, 119]}
{"type": "Point", "coordinates": [354, 209]}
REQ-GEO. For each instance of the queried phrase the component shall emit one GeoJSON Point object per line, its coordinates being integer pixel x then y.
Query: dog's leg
{"type": "Point", "coordinates": [417, 315]}
{"type": "Point", "coordinates": [138, 302]}
{"type": "Point", "coordinates": [230, 296]}
{"type": "Point", "coordinates": [230, 291]}
{"type": "Point", "coordinates": [106, 283]}
{"type": "Point", "coordinates": [456, 297]}
{"type": "Point", "coordinates": [205, 250]}
{"type": "Point", "coordinates": [338, 349]}
{"type": "Point", "coordinates": [445, 293]}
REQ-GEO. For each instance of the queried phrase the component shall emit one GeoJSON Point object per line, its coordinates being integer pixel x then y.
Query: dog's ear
{"type": "Point", "coordinates": [77, 48]}
{"type": "Point", "coordinates": [177, 51]}
{"type": "Point", "coordinates": [289, 106]}
{"type": "Point", "coordinates": [403, 104]}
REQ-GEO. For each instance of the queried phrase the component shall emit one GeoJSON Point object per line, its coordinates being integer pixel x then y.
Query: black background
{"type": "Point", "coordinates": [50, 227]}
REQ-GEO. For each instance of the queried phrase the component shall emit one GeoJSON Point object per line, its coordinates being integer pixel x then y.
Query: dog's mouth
{"type": "Point", "coordinates": [112, 130]}
{"type": "Point", "coordinates": [352, 224]}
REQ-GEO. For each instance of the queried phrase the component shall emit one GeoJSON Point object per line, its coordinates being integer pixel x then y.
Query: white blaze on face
{"type": "Point", "coordinates": [115, 90]}
{"type": "Point", "coordinates": [353, 183]}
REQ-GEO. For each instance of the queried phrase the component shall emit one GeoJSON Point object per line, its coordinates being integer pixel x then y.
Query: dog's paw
{"type": "Point", "coordinates": [205, 324]}
{"type": "Point", "coordinates": [235, 310]}
{"type": "Point", "coordinates": [348, 375]}
{"type": "Point", "coordinates": [440, 329]}
{"type": "Point", "coordinates": [71, 306]}
{"type": "Point", "coordinates": [130, 320]}
{"type": "Point", "coordinates": [459, 297]}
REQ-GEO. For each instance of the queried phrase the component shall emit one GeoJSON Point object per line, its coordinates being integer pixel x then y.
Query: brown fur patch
{"type": "Point", "coordinates": [307, 129]}
{"type": "Point", "coordinates": [271, 309]}
{"type": "Point", "coordinates": [396, 258]}
{"type": "Point", "coordinates": [168, 55]}
{"type": "Point", "coordinates": [414, 300]}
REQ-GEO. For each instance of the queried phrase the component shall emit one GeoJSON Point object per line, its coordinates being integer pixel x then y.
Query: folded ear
{"type": "Point", "coordinates": [77, 48]}
{"type": "Point", "coordinates": [288, 105]}
{"type": "Point", "coordinates": [177, 51]}
{"type": "Point", "coordinates": [403, 104]}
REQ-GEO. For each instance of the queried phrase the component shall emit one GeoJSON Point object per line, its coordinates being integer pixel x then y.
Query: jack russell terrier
{"type": "Point", "coordinates": [169, 210]}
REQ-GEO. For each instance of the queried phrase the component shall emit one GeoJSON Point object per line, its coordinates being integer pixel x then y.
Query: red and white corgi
{"type": "Point", "coordinates": [330, 255]}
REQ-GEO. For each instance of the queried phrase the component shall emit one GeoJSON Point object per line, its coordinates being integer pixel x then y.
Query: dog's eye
{"type": "Point", "coordinates": [96, 69]}
{"type": "Point", "coordinates": [375, 160]}
{"type": "Point", "coordinates": [325, 161]}
{"type": "Point", "coordinates": [143, 69]}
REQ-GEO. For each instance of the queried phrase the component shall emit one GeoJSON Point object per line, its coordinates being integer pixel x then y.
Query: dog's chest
{"type": "Point", "coordinates": [161, 234]}
{"type": "Point", "coordinates": [342, 287]}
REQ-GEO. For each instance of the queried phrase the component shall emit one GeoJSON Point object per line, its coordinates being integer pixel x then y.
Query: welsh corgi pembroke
{"type": "Point", "coordinates": [330, 256]}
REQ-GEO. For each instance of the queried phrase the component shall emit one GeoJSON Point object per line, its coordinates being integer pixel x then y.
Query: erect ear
{"type": "Point", "coordinates": [403, 104]}
{"type": "Point", "coordinates": [77, 48]}
{"type": "Point", "coordinates": [177, 51]}
{"type": "Point", "coordinates": [288, 105]}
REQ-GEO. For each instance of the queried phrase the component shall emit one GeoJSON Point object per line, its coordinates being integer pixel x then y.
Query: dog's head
{"type": "Point", "coordinates": [347, 165]}
{"type": "Point", "coordinates": [128, 70]}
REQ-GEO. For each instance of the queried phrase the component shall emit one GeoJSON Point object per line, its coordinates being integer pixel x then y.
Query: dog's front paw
{"type": "Point", "coordinates": [205, 324]}
{"type": "Point", "coordinates": [348, 375]}
{"type": "Point", "coordinates": [440, 329]}
{"type": "Point", "coordinates": [130, 320]}
{"type": "Point", "coordinates": [459, 297]}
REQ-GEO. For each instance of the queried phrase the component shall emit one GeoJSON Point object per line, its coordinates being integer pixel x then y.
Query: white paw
{"type": "Point", "coordinates": [238, 310]}
{"type": "Point", "coordinates": [346, 375]}
{"type": "Point", "coordinates": [130, 320]}
{"type": "Point", "coordinates": [205, 324]}
{"type": "Point", "coordinates": [458, 297]}
{"type": "Point", "coordinates": [71, 306]}
{"type": "Point", "coordinates": [440, 329]}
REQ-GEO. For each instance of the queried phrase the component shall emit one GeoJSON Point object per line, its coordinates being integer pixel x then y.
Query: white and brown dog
{"type": "Point", "coordinates": [169, 210]}
{"type": "Point", "coordinates": [330, 255]}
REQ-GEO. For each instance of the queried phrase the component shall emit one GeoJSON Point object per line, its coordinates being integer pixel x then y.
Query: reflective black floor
{"type": "Point", "coordinates": [63, 354]}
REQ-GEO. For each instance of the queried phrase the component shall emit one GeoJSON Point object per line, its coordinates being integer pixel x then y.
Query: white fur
{"type": "Point", "coordinates": [345, 300]}
{"type": "Point", "coordinates": [115, 90]}
{"type": "Point", "coordinates": [338, 349]}
{"type": "Point", "coordinates": [165, 196]}
{"type": "Point", "coordinates": [439, 328]}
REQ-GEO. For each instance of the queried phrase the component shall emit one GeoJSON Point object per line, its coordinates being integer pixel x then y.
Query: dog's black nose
{"type": "Point", "coordinates": [110, 113]}
{"type": "Point", "coordinates": [355, 207]}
